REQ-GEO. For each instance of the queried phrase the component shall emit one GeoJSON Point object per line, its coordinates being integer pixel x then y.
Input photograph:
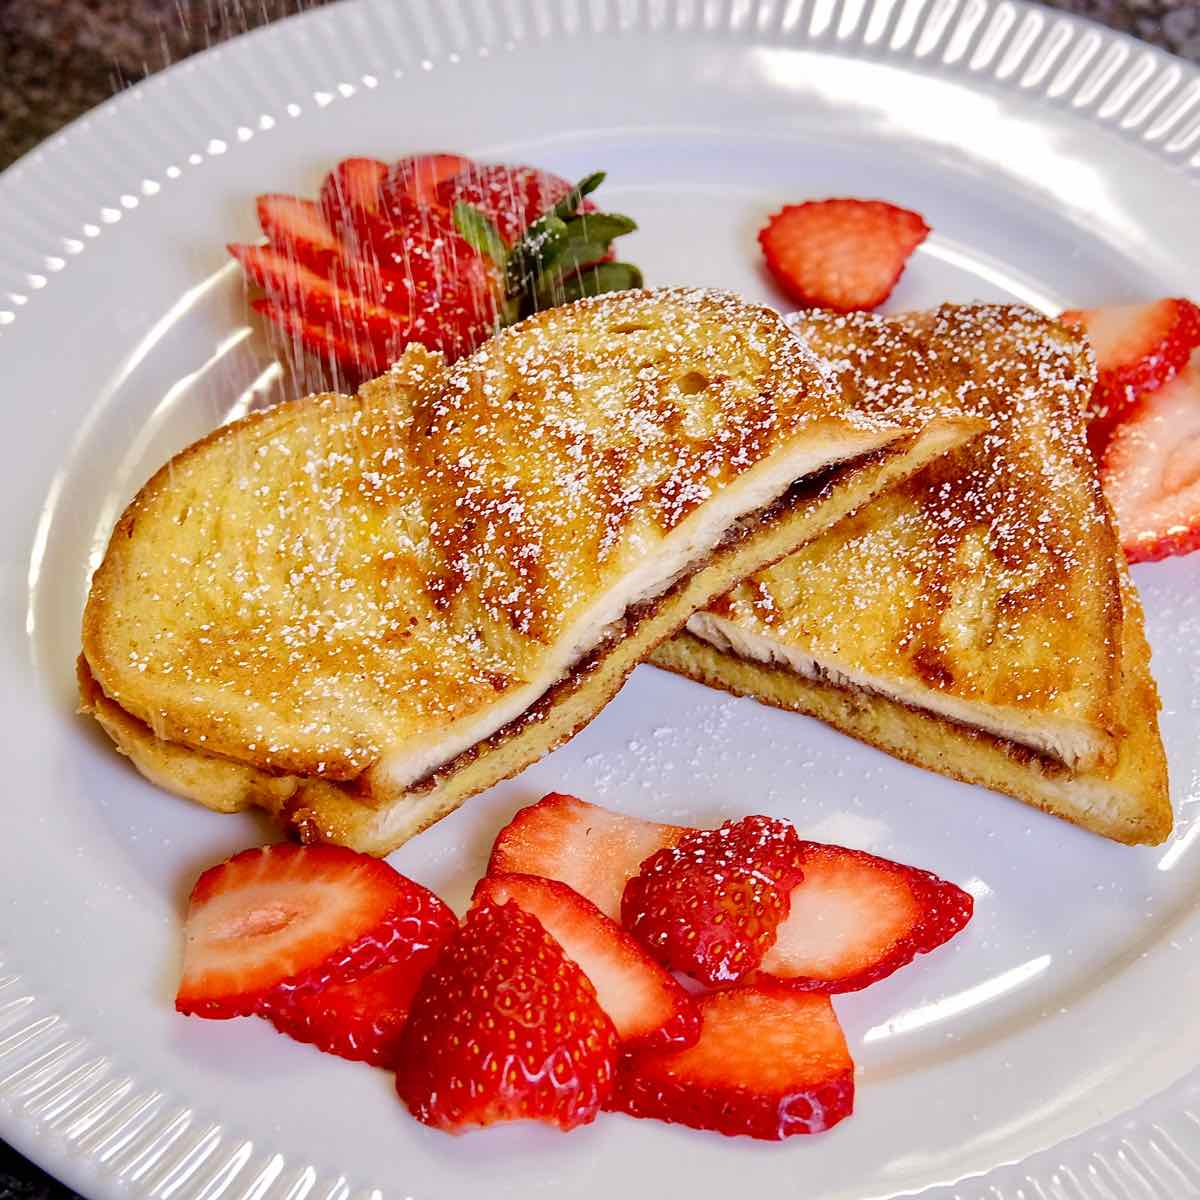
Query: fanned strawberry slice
{"type": "Point", "coordinates": [362, 1019]}
{"type": "Point", "coordinates": [589, 848]}
{"type": "Point", "coordinates": [842, 254]}
{"type": "Point", "coordinates": [301, 916]}
{"type": "Point", "coordinates": [351, 191]}
{"type": "Point", "coordinates": [318, 300]}
{"type": "Point", "coordinates": [1151, 471]}
{"type": "Point", "coordinates": [418, 176]}
{"type": "Point", "coordinates": [646, 1004]}
{"type": "Point", "coordinates": [710, 905]}
{"type": "Point", "coordinates": [349, 349]}
{"type": "Point", "coordinates": [857, 918]}
{"type": "Point", "coordinates": [505, 1027]}
{"type": "Point", "coordinates": [770, 1063]}
{"type": "Point", "coordinates": [297, 228]}
{"type": "Point", "coordinates": [1138, 347]}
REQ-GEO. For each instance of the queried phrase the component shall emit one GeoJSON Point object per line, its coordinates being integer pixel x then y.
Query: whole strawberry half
{"type": "Point", "coordinates": [842, 254]}
{"type": "Point", "coordinates": [290, 919]}
{"type": "Point", "coordinates": [710, 905]}
{"type": "Point", "coordinates": [505, 1027]}
{"type": "Point", "coordinates": [647, 1005]}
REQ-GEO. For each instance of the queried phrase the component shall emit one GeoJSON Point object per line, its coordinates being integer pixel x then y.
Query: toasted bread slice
{"type": "Point", "coordinates": [1126, 801]}
{"type": "Point", "coordinates": [436, 580]}
{"type": "Point", "coordinates": [972, 618]}
{"type": "Point", "coordinates": [986, 589]}
{"type": "Point", "coordinates": [324, 810]}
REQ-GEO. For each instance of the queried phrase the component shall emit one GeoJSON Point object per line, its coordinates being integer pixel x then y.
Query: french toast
{"type": "Point", "coordinates": [977, 619]}
{"type": "Point", "coordinates": [358, 611]}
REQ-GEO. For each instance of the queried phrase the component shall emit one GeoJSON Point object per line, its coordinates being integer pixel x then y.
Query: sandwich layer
{"type": "Point", "coordinates": [373, 815]}
{"type": "Point", "coordinates": [378, 582]}
{"type": "Point", "coordinates": [979, 619]}
{"type": "Point", "coordinates": [985, 589]}
{"type": "Point", "coordinates": [1126, 801]}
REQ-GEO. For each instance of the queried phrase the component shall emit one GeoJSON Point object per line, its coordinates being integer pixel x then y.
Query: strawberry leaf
{"type": "Point", "coordinates": [537, 250]}
{"type": "Point", "coordinates": [479, 232]}
{"type": "Point", "coordinates": [597, 279]}
{"type": "Point", "coordinates": [568, 206]}
{"type": "Point", "coordinates": [599, 226]}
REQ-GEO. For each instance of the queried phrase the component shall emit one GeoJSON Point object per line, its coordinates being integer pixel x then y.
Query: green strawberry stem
{"type": "Point", "coordinates": [557, 258]}
{"type": "Point", "coordinates": [537, 250]}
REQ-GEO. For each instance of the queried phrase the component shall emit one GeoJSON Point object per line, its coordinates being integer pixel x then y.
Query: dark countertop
{"type": "Point", "coordinates": [58, 58]}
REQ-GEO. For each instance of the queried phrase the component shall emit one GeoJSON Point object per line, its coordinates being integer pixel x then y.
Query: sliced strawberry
{"type": "Point", "coordinates": [770, 1063]}
{"type": "Point", "coordinates": [857, 918]}
{"type": "Point", "coordinates": [841, 254]}
{"type": "Point", "coordinates": [505, 1027]}
{"type": "Point", "coordinates": [589, 848]}
{"type": "Point", "coordinates": [513, 197]}
{"type": "Point", "coordinates": [1151, 471]}
{"type": "Point", "coordinates": [351, 191]}
{"type": "Point", "coordinates": [436, 275]}
{"type": "Point", "coordinates": [362, 1019]}
{"type": "Point", "coordinates": [297, 228]}
{"type": "Point", "coordinates": [301, 916]}
{"type": "Point", "coordinates": [354, 355]}
{"type": "Point", "coordinates": [646, 1004]}
{"type": "Point", "coordinates": [321, 301]}
{"type": "Point", "coordinates": [1139, 347]}
{"type": "Point", "coordinates": [709, 905]}
{"type": "Point", "coordinates": [418, 175]}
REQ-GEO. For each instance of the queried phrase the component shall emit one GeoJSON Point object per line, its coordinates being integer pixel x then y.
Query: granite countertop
{"type": "Point", "coordinates": [58, 58]}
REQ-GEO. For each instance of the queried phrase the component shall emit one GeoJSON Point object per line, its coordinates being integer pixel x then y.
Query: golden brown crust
{"type": "Point", "coordinates": [377, 821]}
{"type": "Point", "coordinates": [990, 579]}
{"type": "Point", "coordinates": [351, 581]}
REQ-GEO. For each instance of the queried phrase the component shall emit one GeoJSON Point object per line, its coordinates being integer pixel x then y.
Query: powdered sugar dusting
{"type": "Point", "coordinates": [340, 574]}
{"type": "Point", "coordinates": [965, 577]}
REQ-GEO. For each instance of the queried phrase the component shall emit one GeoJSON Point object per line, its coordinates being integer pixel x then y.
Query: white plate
{"type": "Point", "coordinates": [1057, 164]}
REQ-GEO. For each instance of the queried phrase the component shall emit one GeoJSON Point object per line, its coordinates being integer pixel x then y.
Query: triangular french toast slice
{"type": "Point", "coordinates": [372, 607]}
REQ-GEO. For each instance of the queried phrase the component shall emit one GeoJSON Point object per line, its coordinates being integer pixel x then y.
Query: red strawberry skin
{"type": "Point", "coordinates": [709, 905]}
{"type": "Point", "coordinates": [418, 176]}
{"type": "Point", "coordinates": [352, 190]}
{"type": "Point", "coordinates": [591, 849]}
{"type": "Point", "coordinates": [362, 1019]}
{"type": "Point", "coordinates": [857, 918]}
{"type": "Point", "coordinates": [512, 196]}
{"type": "Point", "coordinates": [841, 254]}
{"type": "Point", "coordinates": [300, 916]}
{"type": "Point", "coordinates": [350, 349]}
{"type": "Point", "coordinates": [648, 1007]}
{"type": "Point", "coordinates": [770, 1063]}
{"type": "Point", "coordinates": [432, 273]}
{"type": "Point", "coordinates": [505, 1028]}
{"type": "Point", "coordinates": [1151, 471]}
{"type": "Point", "coordinates": [1138, 348]}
